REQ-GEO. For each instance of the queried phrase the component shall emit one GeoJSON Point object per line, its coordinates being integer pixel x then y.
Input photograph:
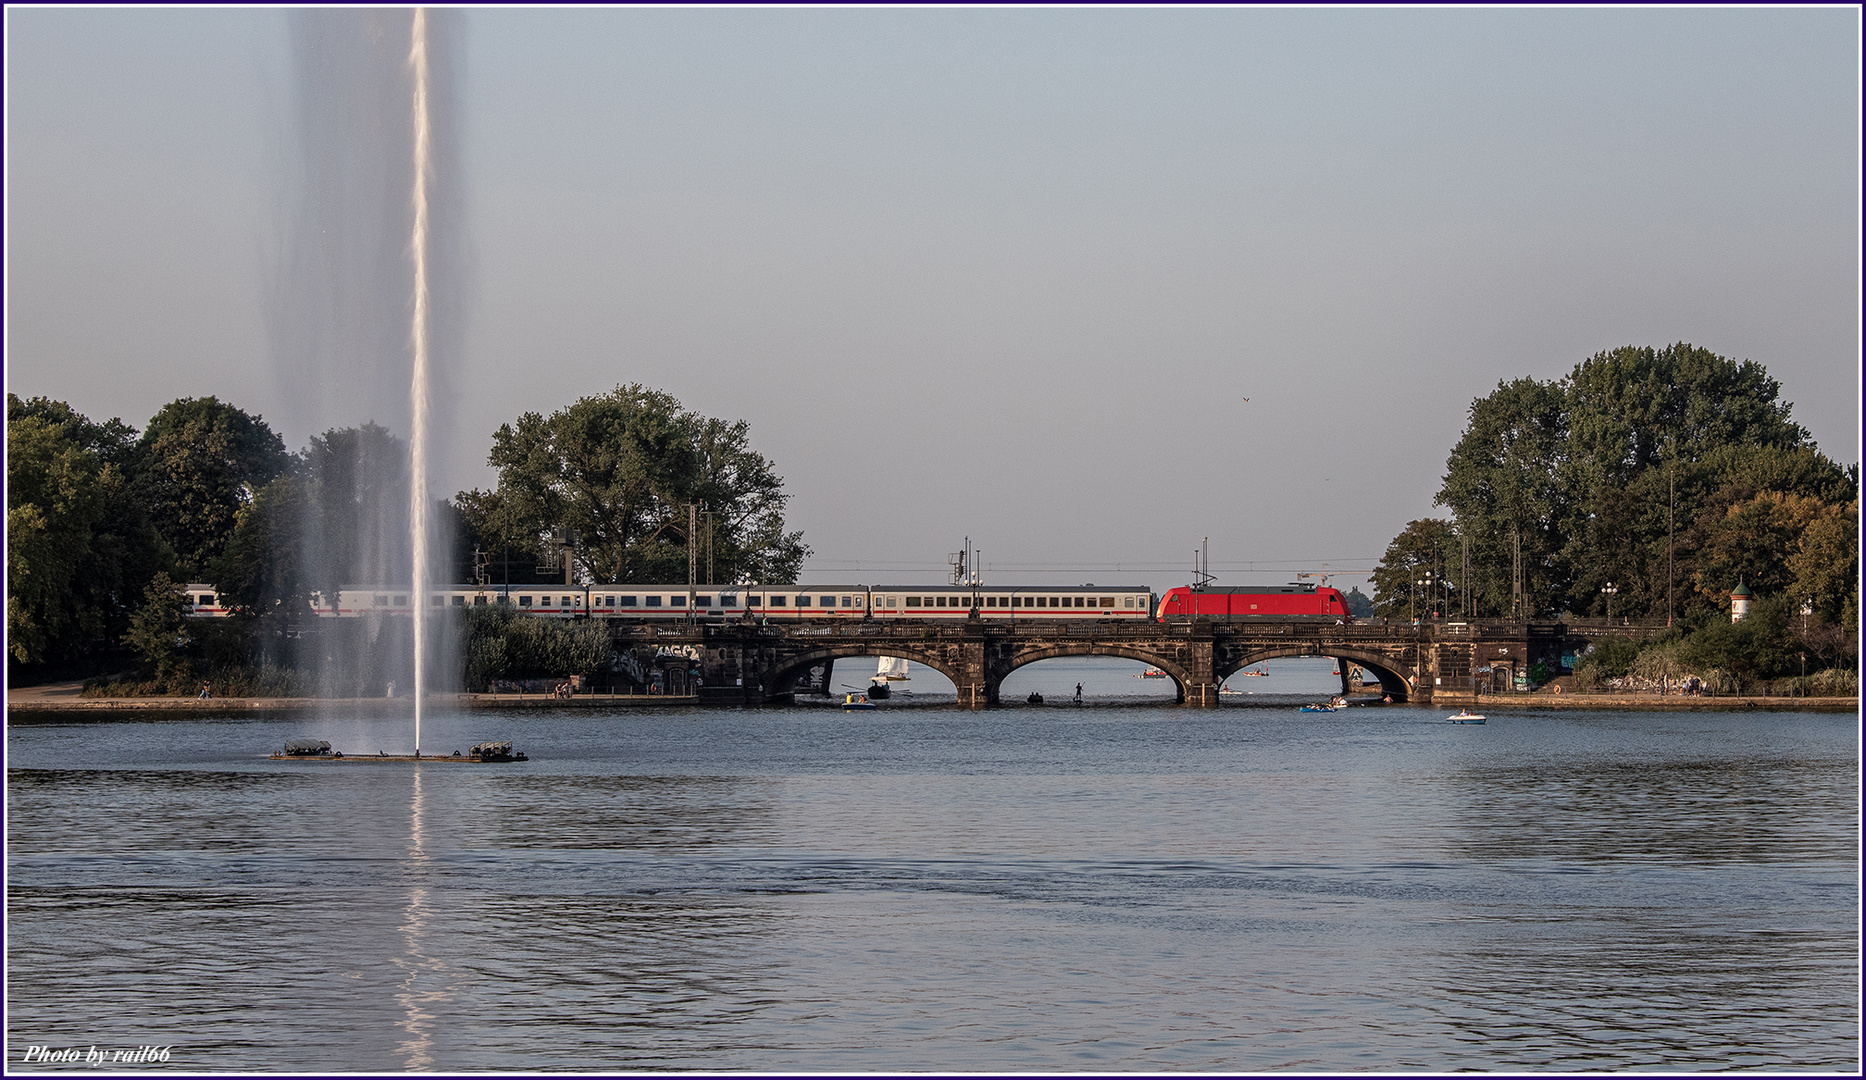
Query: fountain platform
{"type": "Point", "coordinates": [386, 759]}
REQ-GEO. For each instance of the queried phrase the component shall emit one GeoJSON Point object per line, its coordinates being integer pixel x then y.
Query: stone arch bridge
{"type": "Point", "coordinates": [759, 664]}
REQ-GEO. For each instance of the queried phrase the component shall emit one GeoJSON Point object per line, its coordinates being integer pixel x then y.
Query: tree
{"type": "Point", "coordinates": [1826, 565]}
{"type": "Point", "coordinates": [355, 529]}
{"type": "Point", "coordinates": [1601, 474]}
{"type": "Point", "coordinates": [1359, 605]}
{"type": "Point", "coordinates": [1502, 483]}
{"type": "Point", "coordinates": [54, 503]}
{"type": "Point", "coordinates": [79, 548]}
{"type": "Point", "coordinates": [262, 571]}
{"type": "Point", "coordinates": [198, 462]}
{"type": "Point", "coordinates": [1428, 546]}
{"type": "Point", "coordinates": [159, 633]}
{"type": "Point", "coordinates": [619, 472]}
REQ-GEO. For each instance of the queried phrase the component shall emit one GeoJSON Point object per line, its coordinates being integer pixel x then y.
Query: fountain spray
{"type": "Point", "coordinates": [418, 480]}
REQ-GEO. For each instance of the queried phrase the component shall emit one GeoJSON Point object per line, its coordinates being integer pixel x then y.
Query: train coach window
{"type": "Point", "coordinates": [459, 601]}
{"type": "Point", "coordinates": [827, 601]}
{"type": "Point", "coordinates": [206, 600]}
{"type": "Point", "coordinates": [913, 601]}
{"type": "Point", "coordinates": [703, 601]}
{"type": "Point", "coordinates": [848, 601]}
{"type": "Point", "coordinates": [676, 601]}
{"type": "Point", "coordinates": [479, 601]}
{"type": "Point", "coordinates": [380, 601]}
{"type": "Point", "coordinates": [625, 601]}
{"type": "Point", "coordinates": [803, 601]}
{"type": "Point", "coordinates": [1107, 602]}
{"type": "Point", "coordinates": [609, 601]}
{"type": "Point", "coordinates": [524, 601]}
{"type": "Point", "coordinates": [653, 601]}
{"type": "Point", "coordinates": [779, 601]}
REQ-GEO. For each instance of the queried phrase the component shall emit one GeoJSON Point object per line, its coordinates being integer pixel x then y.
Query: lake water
{"type": "Point", "coordinates": [1124, 885]}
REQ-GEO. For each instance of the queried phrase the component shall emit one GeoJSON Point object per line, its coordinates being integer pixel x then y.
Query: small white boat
{"type": "Point", "coordinates": [893, 669]}
{"type": "Point", "coordinates": [1464, 716]}
{"type": "Point", "coordinates": [1259, 673]}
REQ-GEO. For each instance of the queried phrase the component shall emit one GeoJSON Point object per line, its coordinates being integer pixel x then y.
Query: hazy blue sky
{"type": "Point", "coordinates": [1000, 273]}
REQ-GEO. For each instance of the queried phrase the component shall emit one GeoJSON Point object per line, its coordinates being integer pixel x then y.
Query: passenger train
{"type": "Point", "coordinates": [793, 602]}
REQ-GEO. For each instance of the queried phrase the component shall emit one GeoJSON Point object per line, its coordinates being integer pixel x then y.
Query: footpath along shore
{"type": "Point", "coordinates": [64, 698]}
{"type": "Point", "coordinates": [1545, 700]}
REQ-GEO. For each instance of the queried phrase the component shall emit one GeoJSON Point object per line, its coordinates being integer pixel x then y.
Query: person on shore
{"type": "Point", "coordinates": [207, 690]}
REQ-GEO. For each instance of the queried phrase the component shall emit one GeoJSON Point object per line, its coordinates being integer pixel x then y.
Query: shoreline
{"type": "Point", "coordinates": [64, 699]}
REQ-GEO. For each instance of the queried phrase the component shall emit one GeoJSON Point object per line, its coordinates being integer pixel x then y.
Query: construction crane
{"type": "Point", "coordinates": [1324, 574]}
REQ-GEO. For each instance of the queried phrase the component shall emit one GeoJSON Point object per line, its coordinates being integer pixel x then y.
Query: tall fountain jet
{"type": "Point", "coordinates": [365, 308]}
{"type": "Point", "coordinates": [418, 479]}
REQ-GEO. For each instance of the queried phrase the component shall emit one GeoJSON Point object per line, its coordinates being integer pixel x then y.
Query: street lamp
{"type": "Point", "coordinates": [1609, 591]}
{"type": "Point", "coordinates": [1426, 584]}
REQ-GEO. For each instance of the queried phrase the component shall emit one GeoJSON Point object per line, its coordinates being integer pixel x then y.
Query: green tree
{"type": "Point", "coordinates": [54, 503]}
{"type": "Point", "coordinates": [198, 462]}
{"type": "Point", "coordinates": [262, 571]}
{"type": "Point", "coordinates": [1826, 565]}
{"type": "Point", "coordinates": [355, 527]}
{"type": "Point", "coordinates": [618, 472]}
{"type": "Point", "coordinates": [1502, 483]}
{"type": "Point", "coordinates": [79, 548]}
{"type": "Point", "coordinates": [1603, 473]}
{"type": "Point", "coordinates": [160, 634]}
{"type": "Point", "coordinates": [1429, 546]}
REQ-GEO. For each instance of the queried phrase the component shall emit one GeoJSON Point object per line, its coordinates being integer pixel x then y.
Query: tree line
{"type": "Point", "coordinates": [1646, 483]}
{"type": "Point", "coordinates": [105, 523]}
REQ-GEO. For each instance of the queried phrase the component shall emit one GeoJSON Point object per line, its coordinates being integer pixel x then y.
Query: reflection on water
{"type": "Point", "coordinates": [425, 979]}
{"type": "Point", "coordinates": [1153, 889]}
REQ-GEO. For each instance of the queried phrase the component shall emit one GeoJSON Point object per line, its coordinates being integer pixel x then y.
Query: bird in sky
{"type": "Point", "coordinates": [1246, 399]}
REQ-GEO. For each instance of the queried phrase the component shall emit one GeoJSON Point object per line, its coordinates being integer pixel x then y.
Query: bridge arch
{"type": "Point", "coordinates": [1396, 678]}
{"type": "Point", "coordinates": [1174, 670]}
{"type": "Point", "coordinates": [782, 680]}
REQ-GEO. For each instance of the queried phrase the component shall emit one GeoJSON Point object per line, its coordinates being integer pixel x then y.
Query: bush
{"type": "Point", "coordinates": [1609, 658]}
{"type": "Point", "coordinates": [498, 643]}
{"type": "Point", "coordinates": [1660, 664]}
{"type": "Point", "coordinates": [1835, 682]}
{"type": "Point", "coordinates": [1718, 681]}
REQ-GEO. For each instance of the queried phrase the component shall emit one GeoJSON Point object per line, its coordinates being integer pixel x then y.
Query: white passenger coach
{"type": "Point", "coordinates": [647, 602]}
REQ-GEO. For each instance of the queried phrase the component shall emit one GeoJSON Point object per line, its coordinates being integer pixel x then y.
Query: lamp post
{"type": "Point", "coordinates": [1609, 591]}
{"type": "Point", "coordinates": [1426, 584]}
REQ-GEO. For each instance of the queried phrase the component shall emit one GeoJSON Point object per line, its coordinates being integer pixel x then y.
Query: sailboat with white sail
{"type": "Point", "coordinates": [893, 669]}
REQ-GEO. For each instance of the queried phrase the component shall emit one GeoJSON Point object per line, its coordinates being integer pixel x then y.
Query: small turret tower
{"type": "Point", "coordinates": [1739, 602]}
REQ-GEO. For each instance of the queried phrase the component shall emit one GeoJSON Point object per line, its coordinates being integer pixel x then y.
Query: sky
{"type": "Point", "coordinates": [1087, 286]}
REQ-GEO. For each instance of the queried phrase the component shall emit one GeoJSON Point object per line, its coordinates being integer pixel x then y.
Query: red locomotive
{"type": "Point", "coordinates": [1254, 602]}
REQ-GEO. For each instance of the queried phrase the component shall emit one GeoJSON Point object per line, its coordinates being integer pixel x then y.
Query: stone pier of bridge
{"type": "Point", "coordinates": [747, 663]}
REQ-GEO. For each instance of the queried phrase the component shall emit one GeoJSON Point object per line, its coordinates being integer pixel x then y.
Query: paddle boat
{"type": "Point", "coordinates": [1464, 716]}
